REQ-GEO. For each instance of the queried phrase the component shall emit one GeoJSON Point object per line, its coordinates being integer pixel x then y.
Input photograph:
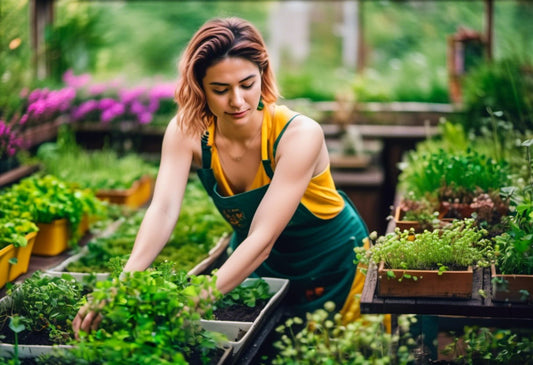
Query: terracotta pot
{"type": "Point", "coordinates": [407, 225]}
{"type": "Point", "coordinates": [455, 210]}
{"type": "Point", "coordinates": [511, 287]}
{"type": "Point", "coordinates": [429, 283]}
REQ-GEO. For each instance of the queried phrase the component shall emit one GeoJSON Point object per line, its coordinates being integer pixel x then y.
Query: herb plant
{"type": "Point", "coordinates": [14, 231]}
{"type": "Point", "coordinates": [482, 345]}
{"type": "Point", "coordinates": [248, 294]}
{"type": "Point", "coordinates": [515, 246]}
{"type": "Point", "coordinates": [455, 246]}
{"type": "Point", "coordinates": [324, 339]}
{"type": "Point", "coordinates": [199, 227]}
{"type": "Point", "coordinates": [49, 198]}
{"type": "Point", "coordinates": [99, 169]}
{"type": "Point", "coordinates": [45, 305]}
{"type": "Point", "coordinates": [151, 316]}
{"type": "Point", "coordinates": [453, 177]}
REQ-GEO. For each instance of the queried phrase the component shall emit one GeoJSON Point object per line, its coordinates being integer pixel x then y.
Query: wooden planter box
{"type": "Point", "coordinates": [52, 238]}
{"type": "Point", "coordinates": [136, 196]}
{"type": "Point", "coordinates": [241, 334]}
{"type": "Point", "coordinates": [450, 284]}
{"type": "Point", "coordinates": [407, 225]}
{"type": "Point", "coordinates": [508, 287]}
{"type": "Point", "coordinates": [6, 254]}
{"type": "Point", "coordinates": [23, 255]}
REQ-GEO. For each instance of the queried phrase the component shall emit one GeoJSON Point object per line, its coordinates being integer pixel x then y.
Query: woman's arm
{"type": "Point", "coordinates": [301, 154]}
{"type": "Point", "coordinates": [163, 211]}
{"type": "Point", "coordinates": [161, 215]}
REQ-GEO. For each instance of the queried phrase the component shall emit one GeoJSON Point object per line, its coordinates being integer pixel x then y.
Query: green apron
{"type": "Point", "coordinates": [316, 255]}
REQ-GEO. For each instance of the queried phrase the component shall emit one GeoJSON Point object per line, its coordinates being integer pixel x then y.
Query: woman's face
{"type": "Point", "coordinates": [233, 88]}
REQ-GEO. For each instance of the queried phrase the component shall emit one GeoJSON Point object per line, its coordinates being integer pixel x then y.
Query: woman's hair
{"type": "Point", "coordinates": [215, 40]}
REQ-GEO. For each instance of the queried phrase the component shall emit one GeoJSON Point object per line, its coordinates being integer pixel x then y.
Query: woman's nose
{"type": "Point", "coordinates": [236, 99]}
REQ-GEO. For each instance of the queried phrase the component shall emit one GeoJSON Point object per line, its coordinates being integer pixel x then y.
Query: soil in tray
{"type": "Point", "coordinates": [240, 313]}
{"type": "Point", "coordinates": [25, 337]}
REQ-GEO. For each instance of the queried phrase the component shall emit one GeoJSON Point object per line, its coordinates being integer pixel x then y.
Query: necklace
{"type": "Point", "coordinates": [247, 144]}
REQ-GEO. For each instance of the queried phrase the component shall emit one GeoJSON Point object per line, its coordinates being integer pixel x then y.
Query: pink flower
{"type": "Point", "coordinates": [145, 118]}
{"type": "Point", "coordinates": [74, 81]}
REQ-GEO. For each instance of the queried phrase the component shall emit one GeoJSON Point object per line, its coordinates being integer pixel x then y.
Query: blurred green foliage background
{"type": "Point", "coordinates": [405, 43]}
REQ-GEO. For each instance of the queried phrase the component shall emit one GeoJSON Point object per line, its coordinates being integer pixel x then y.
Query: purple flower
{"type": "Point", "coordinates": [97, 89]}
{"type": "Point", "coordinates": [136, 107]}
{"type": "Point", "coordinates": [9, 142]}
{"type": "Point", "coordinates": [162, 91]}
{"type": "Point", "coordinates": [129, 95]}
{"type": "Point", "coordinates": [84, 109]}
{"type": "Point", "coordinates": [74, 81]}
{"type": "Point", "coordinates": [145, 118]}
{"type": "Point", "coordinates": [112, 113]}
{"type": "Point", "coordinates": [106, 103]}
{"type": "Point", "coordinates": [23, 119]}
{"type": "Point", "coordinates": [153, 105]}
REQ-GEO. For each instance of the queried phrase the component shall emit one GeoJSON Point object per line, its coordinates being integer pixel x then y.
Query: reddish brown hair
{"type": "Point", "coordinates": [215, 40]}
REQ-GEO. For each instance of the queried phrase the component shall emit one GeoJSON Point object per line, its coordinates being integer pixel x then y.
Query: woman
{"type": "Point", "coordinates": [266, 169]}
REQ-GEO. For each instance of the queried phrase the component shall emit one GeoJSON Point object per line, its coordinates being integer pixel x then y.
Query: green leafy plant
{"type": "Point", "coordinates": [454, 177]}
{"type": "Point", "coordinates": [14, 231]}
{"type": "Point", "coordinates": [99, 169]}
{"type": "Point", "coordinates": [151, 316]}
{"type": "Point", "coordinates": [457, 245]}
{"type": "Point", "coordinates": [483, 345]}
{"type": "Point", "coordinates": [514, 247]}
{"type": "Point", "coordinates": [324, 339]}
{"type": "Point", "coordinates": [249, 294]}
{"type": "Point", "coordinates": [48, 198]}
{"type": "Point", "coordinates": [420, 210]}
{"type": "Point", "coordinates": [45, 306]}
{"type": "Point", "coordinates": [200, 226]}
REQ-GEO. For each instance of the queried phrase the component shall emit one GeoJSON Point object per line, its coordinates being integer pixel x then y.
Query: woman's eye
{"type": "Point", "coordinates": [219, 92]}
{"type": "Point", "coordinates": [248, 86]}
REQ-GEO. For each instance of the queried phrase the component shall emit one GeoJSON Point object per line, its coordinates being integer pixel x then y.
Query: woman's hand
{"type": "Point", "coordinates": [86, 320]}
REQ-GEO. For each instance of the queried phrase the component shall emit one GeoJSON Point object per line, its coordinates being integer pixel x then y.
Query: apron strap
{"type": "Point", "coordinates": [267, 164]}
{"type": "Point", "coordinates": [206, 151]}
{"type": "Point", "coordinates": [281, 134]}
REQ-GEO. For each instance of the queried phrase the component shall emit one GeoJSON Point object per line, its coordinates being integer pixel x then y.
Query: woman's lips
{"type": "Point", "coordinates": [238, 114]}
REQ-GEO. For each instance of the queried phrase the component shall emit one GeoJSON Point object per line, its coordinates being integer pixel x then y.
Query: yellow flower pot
{"type": "Point", "coordinates": [6, 254]}
{"type": "Point", "coordinates": [23, 255]}
{"type": "Point", "coordinates": [136, 196]}
{"type": "Point", "coordinates": [52, 238]}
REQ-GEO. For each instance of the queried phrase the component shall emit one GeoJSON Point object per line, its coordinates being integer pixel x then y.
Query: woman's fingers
{"type": "Point", "coordinates": [85, 321]}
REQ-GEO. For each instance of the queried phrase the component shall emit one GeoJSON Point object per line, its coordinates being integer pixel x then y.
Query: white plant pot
{"type": "Point", "coordinates": [234, 329]}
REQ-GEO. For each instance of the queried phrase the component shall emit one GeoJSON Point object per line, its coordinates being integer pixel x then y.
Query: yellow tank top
{"type": "Point", "coordinates": [321, 197]}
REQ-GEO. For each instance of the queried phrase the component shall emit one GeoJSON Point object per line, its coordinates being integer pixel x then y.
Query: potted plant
{"type": "Point", "coordinates": [20, 233]}
{"type": "Point", "coordinates": [196, 242]}
{"type": "Point", "coordinates": [418, 214]}
{"type": "Point", "coordinates": [45, 307]}
{"type": "Point", "coordinates": [55, 206]}
{"type": "Point", "coordinates": [512, 271]}
{"type": "Point", "coordinates": [323, 338]}
{"type": "Point", "coordinates": [153, 316]}
{"type": "Point", "coordinates": [241, 313]}
{"type": "Point", "coordinates": [126, 179]}
{"type": "Point", "coordinates": [484, 345]}
{"type": "Point", "coordinates": [427, 264]}
{"type": "Point", "coordinates": [454, 179]}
